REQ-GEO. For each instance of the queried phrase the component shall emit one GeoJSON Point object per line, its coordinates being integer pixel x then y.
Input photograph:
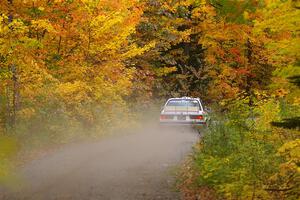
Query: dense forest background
{"type": "Point", "coordinates": [69, 67]}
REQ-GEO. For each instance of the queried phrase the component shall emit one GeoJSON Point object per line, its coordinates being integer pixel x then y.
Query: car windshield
{"type": "Point", "coordinates": [182, 105]}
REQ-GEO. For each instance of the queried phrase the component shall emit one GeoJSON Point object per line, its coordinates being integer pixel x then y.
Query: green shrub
{"type": "Point", "coordinates": [235, 159]}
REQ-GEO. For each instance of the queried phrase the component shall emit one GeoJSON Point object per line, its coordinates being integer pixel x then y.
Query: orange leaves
{"type": "Point", "coordinates": [243, 71]}
{"type": "Point", "coordinates": [71, 54]}
{"type": "Point", "coordinates": [237, 53]}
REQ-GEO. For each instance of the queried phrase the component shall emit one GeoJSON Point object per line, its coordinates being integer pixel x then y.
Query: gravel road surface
{"type": "Point", "coordinates": [139, 165]}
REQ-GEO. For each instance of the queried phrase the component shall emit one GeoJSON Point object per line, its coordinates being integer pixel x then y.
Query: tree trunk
{"type": "Point", "coordinates": [248, 88]}
{"type": "Point", "coordinates": [15, 83]}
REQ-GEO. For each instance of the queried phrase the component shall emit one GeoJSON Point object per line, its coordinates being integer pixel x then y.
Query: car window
{"type": "Point", "coordinates": [182, 105]}
{"type": "Point", "coordinates": [193, 103]}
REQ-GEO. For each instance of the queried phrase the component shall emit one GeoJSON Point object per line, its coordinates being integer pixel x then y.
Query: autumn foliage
{"type": "Point", "coordinates": [74, 66]}
{"type": "Point", "coordinates": [66, 58]}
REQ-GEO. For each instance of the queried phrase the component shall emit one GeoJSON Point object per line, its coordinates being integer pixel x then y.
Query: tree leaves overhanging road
{"type": "Point", "coordinates": [73, 65]}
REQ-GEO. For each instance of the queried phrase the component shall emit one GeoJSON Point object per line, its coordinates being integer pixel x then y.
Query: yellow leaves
{"type": "Point", "coordinates": [85, 52]}
{"type": "Point", "coordinates": [76, 96]}
{"type": "Point", "coordinates": [74, 93]}
{"type": "Point", "coordinates": [85, 1]}
{"type": "Point", "coordinates": [284, 15]}
{"type": "Point", "coordinates": [42, 25]}
{"type": "Point", "coordinates": [18, 27]}
{"type": "Point", "coordinates": [197, 13]}
{"type": "Point", "coordinates": [296, 4]}
{"type": "Point", "coordinates": [227, 71]}
{"type": "Point", "coordinates": [41, 8]}
{"type": "Point", "coordinates": [279, 23]}
{"type": "Point", "coordinates": [296, 101]}
{"type": "Point", "coordinates": [134, 50]}
{"type": "Point", "coordinates": [260, 193]}
{"type": "Point", "coordinates": [3, 18]}
{"type": "Point", "coordinates": [110, 87]}
{"type": "Point", "coordinates": [282, 86]}
{"type": "Point", "coordinates": [34, 77]}
{"type": "Point", "coordinates": [164, 71]}
{"type": "Point", "coordinates": [260, 95]}
{"type": "Point", "coordinates": [291, 150]}
{"type": "Point", "coordinates": [246, 15]}
{"type": "Point", "coordinates": [269, 112]}
{"type": "Point", "coordinates": [281, 92]}
{"type": "Point", "coordinates": [185, 35]}
{"type": "Point", "coordinates": [103, 24]}
{"type": "Point", "coordinates": [108, 32]}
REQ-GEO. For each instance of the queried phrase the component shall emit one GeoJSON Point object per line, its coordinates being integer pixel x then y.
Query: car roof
{"type": "Point", "coordinates": [184, 98]}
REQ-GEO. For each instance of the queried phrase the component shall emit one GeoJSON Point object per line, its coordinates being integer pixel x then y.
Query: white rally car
{"type": "Point", "coordinates": [184, 110]}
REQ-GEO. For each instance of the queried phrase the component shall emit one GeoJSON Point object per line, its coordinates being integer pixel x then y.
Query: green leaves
{"type": "Point", "coordinates": [234, 161]}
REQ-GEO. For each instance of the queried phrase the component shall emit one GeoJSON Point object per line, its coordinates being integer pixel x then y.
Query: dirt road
{"type": "Point", "coordinates": [133, 166]}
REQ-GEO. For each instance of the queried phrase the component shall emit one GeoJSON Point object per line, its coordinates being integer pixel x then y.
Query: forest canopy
{"type": "Point", "coordinates": [78, 57]}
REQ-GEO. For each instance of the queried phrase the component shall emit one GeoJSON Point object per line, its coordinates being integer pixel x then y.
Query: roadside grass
{"type": "Point", "coordinates": [8, 149]}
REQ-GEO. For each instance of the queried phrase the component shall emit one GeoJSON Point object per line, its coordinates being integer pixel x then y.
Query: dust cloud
{"type": "Point", "coordinates": [138, 164]}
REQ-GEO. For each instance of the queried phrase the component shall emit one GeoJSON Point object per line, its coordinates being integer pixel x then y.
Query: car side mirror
{"type": "Point", "coordinates": [207, 109]}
